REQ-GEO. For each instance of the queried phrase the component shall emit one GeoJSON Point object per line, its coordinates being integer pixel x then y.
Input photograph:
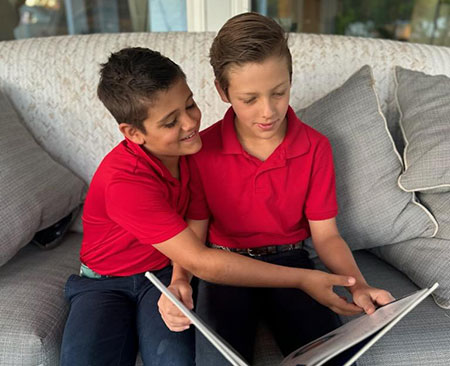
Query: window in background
{"type": "Point", "coordinates": [422, 21]}
{"type": "Point", "coordinates": [42, 18]}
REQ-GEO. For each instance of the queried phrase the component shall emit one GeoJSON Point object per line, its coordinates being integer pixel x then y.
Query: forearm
{"type": "Point", "coordinates": [180, 274]}
{"type": "Point", "coordinates": [338, 258]}
{"type": "Point", "coordinates": [218, 266]}
{"type": "Point", "coordinates": [199, 228]}
{"type": "Point", "coordinates": [228, 268]}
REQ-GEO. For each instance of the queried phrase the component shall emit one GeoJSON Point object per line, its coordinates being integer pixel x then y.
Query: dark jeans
{"type": "Point", "coordinates": [111, 318]}
{"type": "Point", "coordinates": [233, 312]}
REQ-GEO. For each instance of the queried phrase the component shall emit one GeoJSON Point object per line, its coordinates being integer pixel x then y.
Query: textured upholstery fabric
{"type": "Point", "coordinates": [412, 342]}
{"type": "Point", "coordinates": [439, 205]}
{"type": "Point", "coordinates": [425, 261]}
{"type": "Point", "coordinates": [32, 307]}
{"type": "Point", "coordinates": [415, 339]}
{"type": "Point", "coordinates": [373, 211]}
{"type": "Point", "coordinates": [36, 191]}
{"type": "Point", "coordinates": [52, 81]}
{"type": "Point", "coordinates": [423, 102]}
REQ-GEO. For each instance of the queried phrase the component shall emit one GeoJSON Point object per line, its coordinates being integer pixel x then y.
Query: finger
{"type": "Point", "coordinates": [343, 307]}
{"type": "Point", "coordinates": [366, 303]}
{"type": "Point", "coordinates": [338, 280]}
{"type": "Point", "coordinates": [167, 307]}
{"type": "Point", "coordinates": [176, 322]}
{"type": "Point", "coordinates": [173, 312]}
{"type": "Point", "coordinates": [186, 297]}
{"type": "Point", "coordinates": [384, 297]}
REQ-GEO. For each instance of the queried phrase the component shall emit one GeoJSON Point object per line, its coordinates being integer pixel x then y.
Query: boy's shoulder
{"type": "Point", "coordinates": [211, 138]}
{"type": "Point", "coordinates": [122, 162]}
{"type": "Point", "coordinates": [314, 137]}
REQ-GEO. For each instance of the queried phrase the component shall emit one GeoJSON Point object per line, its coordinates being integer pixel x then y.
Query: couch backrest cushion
{"type": "Point", "coordinates": [425, 261]}
{"type": "Point", "coordinates": [52, 81]}
{"type": "Point", "coordinates": [424, 106]}
{"type": "Point", "coordinates": [373, 210]}
{"type": "Point", "coordinates": [439, 205]}
{"type": "Point", "coordinates": [36, 191]}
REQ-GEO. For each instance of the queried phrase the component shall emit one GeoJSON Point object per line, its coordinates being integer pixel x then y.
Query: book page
{"type": "Point", "coordinates": [326, 347]}
{"type": "Point", "coordinates": [222, 346]}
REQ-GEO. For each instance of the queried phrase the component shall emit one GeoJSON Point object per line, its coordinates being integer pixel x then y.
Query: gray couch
{"type": "Point", "coordinates": [399, 228]}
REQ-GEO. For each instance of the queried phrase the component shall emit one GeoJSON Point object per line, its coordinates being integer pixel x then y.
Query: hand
{"type": "Point", "coordinates": [175, 320]}
{"type": "Point", "coordinates": [368, 297]}
{"type": "Point", "coordinates": [320, 287]}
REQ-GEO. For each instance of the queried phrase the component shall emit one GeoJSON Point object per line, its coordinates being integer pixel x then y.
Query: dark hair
{"type": "Point", "coordinates": [248, 37]}
{"type": "Point", "coordinates": [130, 81]}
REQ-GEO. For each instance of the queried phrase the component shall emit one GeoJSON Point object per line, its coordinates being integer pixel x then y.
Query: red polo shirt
{"type": "Point", "coordinates": [254, 203]}
{"type": "Point", "coordinates": [132, 203]}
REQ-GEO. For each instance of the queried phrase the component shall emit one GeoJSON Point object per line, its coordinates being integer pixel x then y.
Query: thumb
{"type": "Point", "coordinates": [186, 296]}
{"type": "Point", "coordinates": [338, 280]}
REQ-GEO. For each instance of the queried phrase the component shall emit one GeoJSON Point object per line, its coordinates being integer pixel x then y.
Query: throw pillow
{"type": "Point", "coordinates": [36, 192]}
{"type": "Point", "coordinates": [425, 261]}
{"type": "Point", "coordinates": [373, 211]}
{"type": "Point", "coordinates": [423, 103]}
{"type": "Point", "coordinates": [439, 206]}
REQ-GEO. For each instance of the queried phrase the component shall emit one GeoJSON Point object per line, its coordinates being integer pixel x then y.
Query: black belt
{"type": "Point", "coordinates": [259, 251]}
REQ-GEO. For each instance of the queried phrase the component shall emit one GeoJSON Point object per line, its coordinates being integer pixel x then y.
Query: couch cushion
{"type": "Point", "coordinates": [36, 191]}
{"type": "Point", "coordinates": [373, 210]}
{"type": "Point", "coordinates": [32, 307]}
{"type": "Point", "coordinates": [423, 103]}
{"type": "Point", "coordinates": [421, 338]}
{"type": "Point", "coordinates": [439, 206]}
{"type": "Point", "coordinates": [425, 261]}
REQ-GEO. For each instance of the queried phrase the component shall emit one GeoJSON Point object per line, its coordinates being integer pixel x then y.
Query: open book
{"type": "Point", "coordinates": [360, 333]}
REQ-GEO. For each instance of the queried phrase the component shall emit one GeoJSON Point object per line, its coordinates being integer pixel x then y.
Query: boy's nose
{"type": "Point", "coordinates": [188, 123]}
{"type": "Point", "coordinates": [268, 110]}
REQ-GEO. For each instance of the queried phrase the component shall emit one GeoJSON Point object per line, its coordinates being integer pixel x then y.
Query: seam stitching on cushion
{"type": "Point", "coordinates": [380, 112]}
{"type": "Point", "coordinates": [413, 198]}
{"type": "Point", "coordinates": [428, 212]}
{"type": "Point", "coordinates": [400, 122]}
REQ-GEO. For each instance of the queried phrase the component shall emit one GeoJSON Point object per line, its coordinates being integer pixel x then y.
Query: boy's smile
{"type": "Point", "coordinates": [172, 125]}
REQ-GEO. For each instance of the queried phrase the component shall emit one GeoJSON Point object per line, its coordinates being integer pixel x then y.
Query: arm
{"type": "Point", "coordinates": [180, 286]}
{"type": "Point", "coordinates": [200, 229]}
{"type": "Point", "coordinates": [215, 265]}
{"type": "Point", "coordinates": [337, 257]}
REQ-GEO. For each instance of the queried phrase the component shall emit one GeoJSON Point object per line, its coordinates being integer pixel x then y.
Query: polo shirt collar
{"type": "Point", "coordinates": [153, 161]}
{"type": "Point", "coordinates": [295, 143]}
{"type": "Point", "coordinates": [230, 141]}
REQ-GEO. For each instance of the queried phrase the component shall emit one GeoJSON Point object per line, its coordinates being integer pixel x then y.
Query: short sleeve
{"type": "Point", "coordinates": [198, 207]}
{"type": "Point", "coordinates": [321, 202]}
{"type": "Point", "coordinates": [142, 209]}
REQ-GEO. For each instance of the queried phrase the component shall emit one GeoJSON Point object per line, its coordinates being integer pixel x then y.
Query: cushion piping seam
{"type": "Point", "coordinates": [413, 197]}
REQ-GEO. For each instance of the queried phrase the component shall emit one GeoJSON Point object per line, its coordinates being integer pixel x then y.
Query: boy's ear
{"type": "Point", "coordinates": [132, 133]}
{"type": "Point", "coordinates": [221, 92]}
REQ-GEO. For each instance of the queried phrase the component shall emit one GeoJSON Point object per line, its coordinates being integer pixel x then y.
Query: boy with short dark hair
{"type": "Point", "coordinates": [265, 182]}
{"type": "Point", "coordinates": [133, 222]}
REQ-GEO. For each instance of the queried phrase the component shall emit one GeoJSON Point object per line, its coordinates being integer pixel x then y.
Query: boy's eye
{"type": "Point", "coordinates": [248, 101]}
{"type": "Point", "coordinates": [191, 106]}
{"type": "Point", "coordinates": [280, 94]}
{"type": "Point", "coordinates": [171, 124]}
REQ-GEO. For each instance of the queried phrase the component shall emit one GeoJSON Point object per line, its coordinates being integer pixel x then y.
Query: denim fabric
{"type": "Point", "coordinates": [233, 312]}
{"type": "Point", "coordinates": [110, 319]}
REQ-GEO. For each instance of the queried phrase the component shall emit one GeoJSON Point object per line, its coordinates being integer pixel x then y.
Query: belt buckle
{"type": "Point", "coordinates": [254, 252]}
